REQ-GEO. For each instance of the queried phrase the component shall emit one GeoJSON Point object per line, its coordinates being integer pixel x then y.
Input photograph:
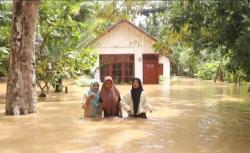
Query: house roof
{"type": "Point", "coordinates": [130, 23]}
{"type": "Point", "coordinates": [136, 27]}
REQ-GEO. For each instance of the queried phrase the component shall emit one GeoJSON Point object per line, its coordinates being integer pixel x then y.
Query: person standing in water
{"type": "Point", "coordinates": [110, 98]}
{"type": "Point", "coordinates": [91, 103]}
{"type": "Point", "coordinates": [135, 101]}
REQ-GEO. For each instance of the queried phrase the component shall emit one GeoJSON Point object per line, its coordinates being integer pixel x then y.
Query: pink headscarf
{"type": "Point", "coordinates": [109, 97]}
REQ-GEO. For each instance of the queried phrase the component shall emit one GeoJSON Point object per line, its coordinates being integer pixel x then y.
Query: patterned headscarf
{"type": "Point", "coordinates": [95, 101]}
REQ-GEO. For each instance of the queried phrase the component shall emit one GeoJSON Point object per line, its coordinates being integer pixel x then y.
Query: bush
{"type": "Point", "coordinates": [207, 71]}
{"type": "Point", "coordinates": [3, 71]}
{"type": "Point", "coordinates": [4, 54]}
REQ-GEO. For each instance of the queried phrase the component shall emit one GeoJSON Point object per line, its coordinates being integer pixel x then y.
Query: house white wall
{"type": "Point", "coordinates": [126, 39]}
{"type": "Point", "coordinates": [166, 66]}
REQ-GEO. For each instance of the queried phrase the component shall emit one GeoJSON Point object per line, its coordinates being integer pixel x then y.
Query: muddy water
{"type": "Point", "coordinates": [190, 116]}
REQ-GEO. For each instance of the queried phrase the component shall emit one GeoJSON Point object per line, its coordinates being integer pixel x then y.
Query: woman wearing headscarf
{"type": "Point", "coordinates": [91, 103]}
{"type": "Point", "coordinates": [110, 98]}
{"type": "Point", "coordinates": [135, 101]}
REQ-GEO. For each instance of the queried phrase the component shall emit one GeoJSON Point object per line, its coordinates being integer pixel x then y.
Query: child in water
{"type": "Point", "coordinates": [91, 103]}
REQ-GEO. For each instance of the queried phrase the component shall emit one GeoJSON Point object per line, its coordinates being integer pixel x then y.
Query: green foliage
{"type": "Point", "coordinates": [62, 42]}
{"type": "Point", "coordinates": [66, 30]}
{"type": "Point", "coordinates": [5, 28]}
{"type": "Point", "coordinates": [212, 24]}
{"type": "Point", "coordinates": [185, 60]}
{"type": "Point", "coordinates": [215, 30]}
{"type": "Point", "coordinates": [197, 36]}
{"type": "Point", "coordinates": [207, 71]}
{"type": "Point", "coordinates": [206, 37]}
{"type": "Point", "coordinates": [4, 61]}
{"type": "Point", "coordinates": [189, 60]}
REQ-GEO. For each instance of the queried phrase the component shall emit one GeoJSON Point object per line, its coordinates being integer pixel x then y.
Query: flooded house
{"type": "Point", "coordinates": [126, 51]}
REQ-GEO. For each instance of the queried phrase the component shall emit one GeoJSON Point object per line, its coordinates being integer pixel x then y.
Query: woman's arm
{"type": "Point", "coordinates": [86, 101]}
{"type": "Point", "coordinates": [125, 103]}
{"type": "Point", "coordinates": [100, 104]}
{"type": "Point", "coordinates": [146, 104]}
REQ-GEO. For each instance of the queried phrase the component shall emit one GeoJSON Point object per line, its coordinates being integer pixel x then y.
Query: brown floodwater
{"type": "Point", "coordinates": [189, 116]}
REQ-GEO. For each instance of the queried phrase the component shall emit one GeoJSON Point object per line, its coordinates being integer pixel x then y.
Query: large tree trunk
{"type": "Point", "coordinates": [21, 85]}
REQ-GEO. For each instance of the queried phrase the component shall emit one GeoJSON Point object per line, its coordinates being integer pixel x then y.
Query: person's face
{"type": "Point", "coordinates": [108, 84]}
{"type": "Point", "coordinates": [96, 87]}
{"type": "Point", "coordinates": [135, 84]}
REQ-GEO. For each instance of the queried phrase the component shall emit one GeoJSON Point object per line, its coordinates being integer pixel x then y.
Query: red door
{"type": "Point", "coordinates": [150, 72]}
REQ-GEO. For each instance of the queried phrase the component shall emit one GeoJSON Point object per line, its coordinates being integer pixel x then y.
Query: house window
{"type": "Point", "coordinates": [120, 67]}
{"type": "Point", "coordinates": [129, 72]}
{"type": "Point", "coordinates": [104, 70]}
{"type": "Point", "coordinates": [117, 72]}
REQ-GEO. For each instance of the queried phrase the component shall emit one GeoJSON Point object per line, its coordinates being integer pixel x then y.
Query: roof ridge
{"type": "Point", "coordinates": [130, 23]}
